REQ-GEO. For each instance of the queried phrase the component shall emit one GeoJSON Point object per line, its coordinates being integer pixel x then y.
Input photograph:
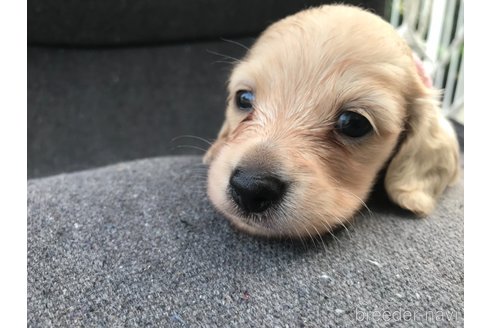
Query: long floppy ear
{"type": "Point", "coordinates": [427, 161]}
{"type": "Point", "coordinates": [211, 152]}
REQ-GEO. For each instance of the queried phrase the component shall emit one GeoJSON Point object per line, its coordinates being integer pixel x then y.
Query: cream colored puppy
{"type": "Point", "coordinates": [324, 101]}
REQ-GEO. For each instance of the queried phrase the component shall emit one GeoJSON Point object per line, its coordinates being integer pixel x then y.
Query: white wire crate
{"type": "Point", "coordinates": [435, 31]}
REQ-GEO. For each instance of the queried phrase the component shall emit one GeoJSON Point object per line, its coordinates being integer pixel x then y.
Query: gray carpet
{"type": "Point", "coordinates": [137, 244]}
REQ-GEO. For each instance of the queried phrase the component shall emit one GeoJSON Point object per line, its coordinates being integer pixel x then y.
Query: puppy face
{"type": "Point", "coordinates": [315, 110]}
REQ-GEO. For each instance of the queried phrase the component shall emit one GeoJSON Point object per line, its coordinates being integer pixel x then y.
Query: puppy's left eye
{"type": "Point", "coordinates": [244, 100]}
{"type": "Point", "coordinates": [353, 124]}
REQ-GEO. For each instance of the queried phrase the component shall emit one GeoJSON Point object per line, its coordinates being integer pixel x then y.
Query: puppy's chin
{"type": "Point", "coordinates": [252, 228]}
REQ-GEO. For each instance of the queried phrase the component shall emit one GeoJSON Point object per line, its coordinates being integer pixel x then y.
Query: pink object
{"type": "Point", "coordinates": [422, 73]}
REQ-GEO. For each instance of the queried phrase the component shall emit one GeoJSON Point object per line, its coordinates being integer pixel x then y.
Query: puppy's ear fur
{"type": "Point", "coordinates": [223, 134]}
{"type": "Point", "coordinates": [427, 161]}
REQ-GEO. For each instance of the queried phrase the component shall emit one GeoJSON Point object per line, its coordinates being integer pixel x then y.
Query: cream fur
{"type": "Point", "coordinates": [305, 70]}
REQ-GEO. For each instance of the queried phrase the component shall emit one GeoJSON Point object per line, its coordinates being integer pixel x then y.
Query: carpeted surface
{"type": "Point", "coordinates": [138, 244]}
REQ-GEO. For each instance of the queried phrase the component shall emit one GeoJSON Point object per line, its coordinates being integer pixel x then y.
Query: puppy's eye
{"type": "Point", "coordinates": [353, 125]}
{"type": "Point", "coordinates": [244, 100]}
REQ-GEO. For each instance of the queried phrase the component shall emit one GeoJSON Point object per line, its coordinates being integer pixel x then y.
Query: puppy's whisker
{"type": "Point", "coordinates": [200, 166]}
{"type": "Point", "coordinates": [344, 226]}
{"type": "Point", "coordinates": [191, 147]}
{"type": "Point", "coordinates": [223, 56]}
{"type": "Point", "coordinates": [285, 220]}
{"type": "Point", "coordinates": [196, 174]}
{"type": "Point", "coordinates": [349, 193]}
{"type": "Point", "coordinates": [304, 222]}
{"type": "Point", "coordinates": [308, 233]}
{"type": "Point", "coordinates": [201, 174]}
{"type": "Point", "coordinates": [299, 236]}
{"type": "Point", "coordinates": [320, 237]}
{"type": "Point", "coordinates": [236, 43]}
{"type": "Point", "coordinates": [192, 137]}
{"type": "Point", "coordinates": [329, 230]}
{"type": "Point", "coordinates": [200, 191]}
{"type": "Point", "coordinates": [224, 62]}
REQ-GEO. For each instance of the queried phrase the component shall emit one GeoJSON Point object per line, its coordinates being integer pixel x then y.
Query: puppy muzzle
{"type": "Point", "coordinates": [254, 190]}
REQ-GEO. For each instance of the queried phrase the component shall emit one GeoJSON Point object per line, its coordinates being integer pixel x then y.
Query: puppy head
{"type": "Point", "coordinates": [314, 112]}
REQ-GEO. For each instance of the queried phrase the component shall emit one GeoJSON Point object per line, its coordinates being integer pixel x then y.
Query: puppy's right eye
{"type": "Point", "coordinates": [244, 100]}
{"type": "Point", "coordinates": [353, 124]}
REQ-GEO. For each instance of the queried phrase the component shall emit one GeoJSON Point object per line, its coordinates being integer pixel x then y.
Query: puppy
{"type": "Point", "coordinates": [324, 101]}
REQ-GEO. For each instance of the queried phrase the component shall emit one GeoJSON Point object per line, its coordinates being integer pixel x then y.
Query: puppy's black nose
{"type": "Point", "coordinates": [255, 191]}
